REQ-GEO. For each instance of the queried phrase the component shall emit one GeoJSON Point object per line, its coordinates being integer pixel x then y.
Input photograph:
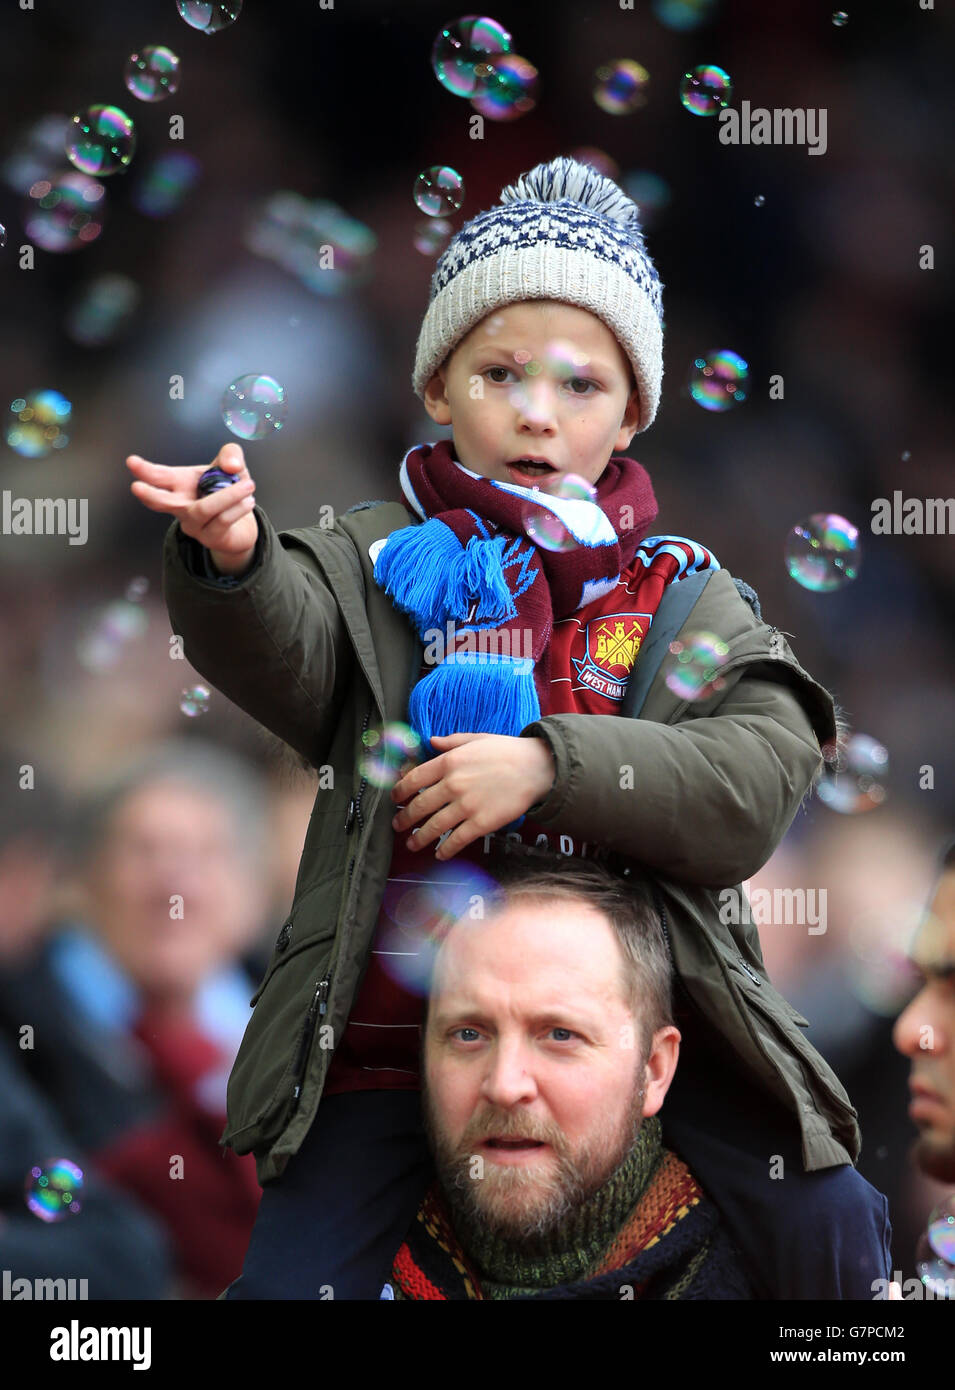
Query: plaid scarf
{"type": "Point", "coordinates": [668, 1244]}
{"type": "Point", "coordinates": [478, 588]}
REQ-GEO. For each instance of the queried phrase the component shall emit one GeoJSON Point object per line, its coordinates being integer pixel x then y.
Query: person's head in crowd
{"type": "Point", "coordinates": [170, 858]}
{"type": "Point", "coordinates": [548, 1040]}
{"type": "Point", "coordinates": [925, 1031]}
{"type": "Point", "coordinates": [30, 832]}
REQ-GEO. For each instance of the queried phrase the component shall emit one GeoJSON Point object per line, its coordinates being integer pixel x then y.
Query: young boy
{"type": "Point", "coordinates": [542, 348]}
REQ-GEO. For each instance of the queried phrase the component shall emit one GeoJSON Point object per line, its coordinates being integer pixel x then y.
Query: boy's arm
{"type": "Point", "coordinates": [706, 801]}
{"type": "Point", "coordinates": [272, 640]}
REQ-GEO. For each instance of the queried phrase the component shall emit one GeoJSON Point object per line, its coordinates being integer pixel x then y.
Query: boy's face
{"type": "Point", "coordinates": [538, 379]}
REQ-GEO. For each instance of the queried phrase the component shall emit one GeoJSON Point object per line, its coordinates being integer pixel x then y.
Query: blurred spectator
{"type": "Point", "coordinates": [138, 1005]}
{"type": "Point", "coordinates": [111, 1242]}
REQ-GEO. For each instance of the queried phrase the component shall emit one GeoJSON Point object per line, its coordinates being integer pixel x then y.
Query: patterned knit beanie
{"type": "Point", "coordinates": [561, 232]}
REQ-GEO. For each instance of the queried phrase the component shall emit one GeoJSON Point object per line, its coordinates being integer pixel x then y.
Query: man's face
{"type": "Point", "coordinates": [535, 1083]}
{"type": "Point", "coordinates": [925, 1032]}
{"type": "Point", "coordinates": [542, 379]}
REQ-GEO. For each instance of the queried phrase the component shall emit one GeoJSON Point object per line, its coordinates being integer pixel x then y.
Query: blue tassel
{"type": "Point", "coordinates": [478, 574]}
{"type": "Point", "coordinates": [474, 692]}
{"type": "Point", "coordinates": [413, 569]}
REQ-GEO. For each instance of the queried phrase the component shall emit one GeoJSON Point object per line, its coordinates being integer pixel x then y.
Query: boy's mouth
{"type": "Point", "coordinates": [528, 467]}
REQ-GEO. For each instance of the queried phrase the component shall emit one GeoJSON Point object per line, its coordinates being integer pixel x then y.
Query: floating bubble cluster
{"type": "Point", "coordinates": [439, 190]}
{"type": "Point", "coordinates": [545, 527]}
{"type": "Point", "coordinates": [209, 18]}
{"type": "Point", "coordinates": [463, 54]}
{"type": "Point", "coordinates": [152, 74]}
{"type": "Point", "coordinates": [509, 90]}
{"type": "Point", "coordinates": [706, 89]}
{"type": "Point", "coordinates": [194, 701]}
{"type": "Point", "coordinates": [103, 309]}
{"type": "Point", "coordinates": [621, 86]}
{"type": "Point", "coordinates": [100, 140]}
{"type": "Point", "coordinates": [719, 380]}
{"type": "Point", "coordinates": [855, 775]}
{"type": "Point", "coordinates": [823, 552]}
{"type": "Point", "coordinates": [386, 751]}
{"type": "Point", "coordinates": [682, 15]}
{"type": "Point", "coordinates": [164, 183]}
{"type": "Point", "coordinates": [699, 659]}
{"type": "Point", "coordinates": [329, 251]}
{"type": "Point", "coordinates": [54, 1189]}
{"type": "Point", "coordinates": [65, 212]}
{"type": "Point", "coordinates": [38, 426]}
{"type": "Point", "coordinates": [419, 909]}
{"type": "Point", "coordinates": [253, 407]}
{"type": "Point", "coordinates": [431, 237]}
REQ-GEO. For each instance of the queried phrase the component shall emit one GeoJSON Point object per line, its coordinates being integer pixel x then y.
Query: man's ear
{"type": "Point", "coordinates": [660, 1067]}
{"type": "Point", "coordinates": [436, 398]}
{"type": "Point", "coordinates": [630, 422]}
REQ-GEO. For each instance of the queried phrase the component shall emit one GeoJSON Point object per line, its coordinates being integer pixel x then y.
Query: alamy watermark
{"type": "Point", "coordinates": [800, 125]}
{"type": "Point", "coordinates": [514, 643]}
{"type": "Point", "coordinates": [44, 516]}
{"type": "Point", "coordinates": [913, 516]}
{"type": "Point", "coordinates": [18, 1290]}
{"type": "Point", "coordinates": [775, 907]}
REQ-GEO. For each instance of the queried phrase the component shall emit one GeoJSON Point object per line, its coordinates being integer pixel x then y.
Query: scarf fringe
{"type": "Point", "coordinates": [475, 692]}
{"type": "Point", "coordinates": [431, 576]}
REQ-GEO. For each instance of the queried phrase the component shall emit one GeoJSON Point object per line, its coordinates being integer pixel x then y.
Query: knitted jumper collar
{"type": "Point", "coordinates": [471, 571]}
{"type": "Point", "coordinates": [509, 1269]}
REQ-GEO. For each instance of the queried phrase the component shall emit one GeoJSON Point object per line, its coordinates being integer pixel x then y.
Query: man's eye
{"type": "Point", "coordinates": [567, 1034]}
{"type": "Point", "coordinates": [459, 1031]}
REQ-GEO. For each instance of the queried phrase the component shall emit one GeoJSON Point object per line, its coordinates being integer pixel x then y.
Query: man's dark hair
{"type": "Point", "coordinates": [626, 904]}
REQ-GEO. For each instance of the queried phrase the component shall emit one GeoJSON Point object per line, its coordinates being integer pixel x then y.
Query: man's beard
{"type": "Point", "coordinates": [516, 1201]}
{"type": "Point", "coordinates": [936, 1162]}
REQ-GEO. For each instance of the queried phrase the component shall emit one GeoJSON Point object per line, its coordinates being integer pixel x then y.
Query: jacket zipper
{"type": "Point", "coordinates": [318, 1006]}
{"type": "Point", "coordinates": [354, 805]}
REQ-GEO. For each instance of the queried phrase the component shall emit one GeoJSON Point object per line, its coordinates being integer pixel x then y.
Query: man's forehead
{"type": "Point", "coordinates": [933, 949]}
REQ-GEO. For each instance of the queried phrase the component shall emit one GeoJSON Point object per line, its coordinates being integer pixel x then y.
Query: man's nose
{"type": "Point", "coordinates": [914, 1030]}
{"type": "Point", "coordinates": [509, 1078]}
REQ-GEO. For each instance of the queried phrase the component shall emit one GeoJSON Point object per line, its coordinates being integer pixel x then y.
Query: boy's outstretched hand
{"type": "Point", "coordinates": [478, 784]}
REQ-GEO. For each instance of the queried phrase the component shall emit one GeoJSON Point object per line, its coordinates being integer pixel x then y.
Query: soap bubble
{"type": "Point", "coordinates": [329, 251]}
{"type": "Point", "coordinates": [695, 674]}
{"type": "Point", "coordinates": [649, 191]}
{"type": "Point", "coordinates": [855, 775]}
{"type": "Point", "coordinates": [65, 212]}
{"type": "Point", "coordinates": [719, 380]}
{"type": "Point", "coordinates": [104, 307]}
{"type": "Point", "coordinates": [37, 427]}
{"type": "Point", "coordinates": [208, 17]}
{"type": "Point", "coordinates": [419, 909]}
{"type": "Point", "coordinates": [840, 18]}
{"type": "Point", "coordinates": [439, 190]}
{"type": "Point", "coordinates": [706, 89]}
{"type": "Point", "coordinates": [545, 528]}
{"type": "Point", "coordinates": [463, 53]}
{"type": "Point", "coordinates": [941, 1229]}
{"type": "Point", "coordinates": [597, 159]}
{"type": "Point", "coordinates": [879, 969]}
{"type": "Point", "coordinates": [3, 235]}
{"type": "Point", "coordinates": [103, 641]}
{"type": "Point", "coordinates": [759, 201]}
{"type": "Point", "coordinates": [54, 1189]}
{"type": "Point", "coordinates": [152, 74]}
{"type": "Point", "coordinates": [386, 751]}
{"type": "Point", "coordinates": [823, 552]}
{"type": "Point", "coordinates": [137, 589]}
{"type": "Point", "coordinates": [431, 237]}
{"type": "Point", "coordinates": [510, 89]}
{"type": "Point", "coordinates": [682, 15]}
{"type": "Point", "coordinates": [936, 1273]}
{"type": "Point", "coordinates": [100, 140]}
{"type": "Point", "coordinates": [253, 407]}
{"type": "Point", "coordinates": [163, 185]}
{"type": "Point", "coordinates": [34, 150]}
{"type": "Point", "coordinates": [621, 86]}
{"type": "Point", "coordinates": [194, 701]}
{"type": "Point", "coordinates": [905, 456]}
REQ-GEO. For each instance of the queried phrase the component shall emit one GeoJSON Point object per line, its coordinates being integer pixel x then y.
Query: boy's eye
{"type": "Point", "coordinates": [582, 381]}
{"type": "Point", "coordinates": [505, 370]}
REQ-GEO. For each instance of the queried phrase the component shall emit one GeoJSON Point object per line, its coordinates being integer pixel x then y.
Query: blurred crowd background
{"type": "Point", "coordinates": [806, 266]}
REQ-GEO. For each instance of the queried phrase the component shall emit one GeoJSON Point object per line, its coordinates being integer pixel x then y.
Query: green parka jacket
{"type": "Point", "coordinates": [309, 645]}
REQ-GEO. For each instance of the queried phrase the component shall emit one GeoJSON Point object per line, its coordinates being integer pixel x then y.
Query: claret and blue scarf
{"type": "Point", "coordinates": [471, 565]}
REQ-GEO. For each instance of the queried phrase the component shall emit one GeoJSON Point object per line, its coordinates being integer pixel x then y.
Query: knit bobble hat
{"type": "Point", "coordinates": [562, 232]}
